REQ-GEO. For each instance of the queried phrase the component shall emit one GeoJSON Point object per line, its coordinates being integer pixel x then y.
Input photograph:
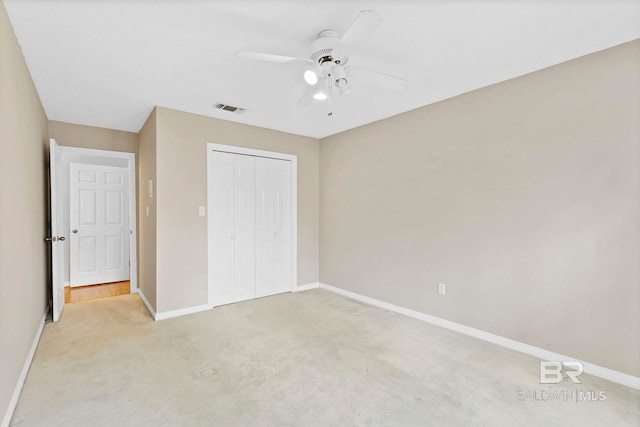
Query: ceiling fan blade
{"type": "Point", "coordinates": [268, 57]}
{"type": "Point", "coordinates": [362, 27]}
{"type": "Point", "coordinates": [307, 96]}
{"type": "Point", "coordinates": [377, 79]}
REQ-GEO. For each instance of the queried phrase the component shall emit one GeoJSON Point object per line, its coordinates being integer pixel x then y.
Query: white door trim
{"type": "Point", "coordinates": [131, 167]}
{"type": "Point", "coordinates": [294, 205]}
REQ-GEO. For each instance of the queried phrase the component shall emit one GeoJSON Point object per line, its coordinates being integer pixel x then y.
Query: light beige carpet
{"type": "Point", "coordinates": [306, 359]}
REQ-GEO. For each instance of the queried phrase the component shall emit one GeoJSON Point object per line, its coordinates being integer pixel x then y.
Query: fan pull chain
{"type": "Point", "coordinates": [330, 94]}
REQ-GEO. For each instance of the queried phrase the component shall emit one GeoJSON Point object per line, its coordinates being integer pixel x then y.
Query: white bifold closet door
{"type": "Point", "coordinates": [251, 222]}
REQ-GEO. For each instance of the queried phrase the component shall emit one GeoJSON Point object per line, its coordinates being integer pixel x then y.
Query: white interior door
{"type": "Point", "coordinates": [99, 224]}
{"type": "Point", "coordinates": [57, 256]}
{"type": "Point", "coordinates": [273, 226]}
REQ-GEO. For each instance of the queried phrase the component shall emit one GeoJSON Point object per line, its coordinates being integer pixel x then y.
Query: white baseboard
{"type": "Point", "coordinates": [611, 375]}
{"type": "Point", "coordinates": [589, 368]}
{"type": "Point", "coordinates": [23, 374]}
{"type": "Point", "coordinates": [198, 308]}
{"type": "Point", "coordinates": [146, 303]}
{"type": "Point", "coordinates": [306, 287]}
{"type": "Point", "coordinates": [182, 311]}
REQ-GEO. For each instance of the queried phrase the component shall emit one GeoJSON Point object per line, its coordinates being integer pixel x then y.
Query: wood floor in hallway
{"type": "Point", "coordinates": [91, 292]}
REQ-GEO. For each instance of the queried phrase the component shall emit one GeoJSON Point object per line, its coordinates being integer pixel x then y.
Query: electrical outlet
{"type": "Point", "coordinates": [442, 288]}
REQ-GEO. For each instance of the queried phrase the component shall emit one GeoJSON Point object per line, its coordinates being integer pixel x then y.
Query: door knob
{"type": "Point", "coordinates": [74, 231]}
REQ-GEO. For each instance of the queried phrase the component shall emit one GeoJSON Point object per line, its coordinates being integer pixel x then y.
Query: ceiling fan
{"type": "Point", "coordinates": [328, 67]}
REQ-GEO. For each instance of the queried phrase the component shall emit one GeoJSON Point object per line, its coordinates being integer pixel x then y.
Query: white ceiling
{"type": "Point", "coordinates": [107, 63]}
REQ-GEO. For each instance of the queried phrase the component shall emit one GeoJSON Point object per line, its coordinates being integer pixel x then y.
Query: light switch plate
{"type": "Point", "coordinates": [201, 211]}
{"type": "Point", "coordinates": [150, 188]}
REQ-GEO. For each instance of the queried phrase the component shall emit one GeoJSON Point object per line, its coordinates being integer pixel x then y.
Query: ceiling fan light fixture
{"type": "Point", "coordinates": [311, 77]}
{"type": "Point", "coordinates": [320, 96]}
{"type": "Point", "coordinates": [344, 90]}
{"type": "Point", "coordinates": [321, 91]}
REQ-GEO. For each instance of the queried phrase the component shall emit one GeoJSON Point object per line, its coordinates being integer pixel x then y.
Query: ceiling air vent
{"type": "Point", "coordinates": [229, 108]}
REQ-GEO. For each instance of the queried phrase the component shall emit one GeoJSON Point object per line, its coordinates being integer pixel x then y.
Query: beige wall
{"type": "Point", "coordinates": [182, 176]}
{"type": "Point", "coordinates": [522, 197]}
{"type": "Point", "coordinates": [73, 135]}
{"type": "Point", "coordinates": [23, 206]}
{"type": "Point", "coordinates": [147, 224]}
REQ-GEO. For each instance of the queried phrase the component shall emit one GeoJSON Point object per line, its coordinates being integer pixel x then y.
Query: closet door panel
{"type": "Point", "coordinates": [264, 227]}
{"type": "Point", "coordinates": [223, 218]}
{"type": "Point", "coordinates": [282, 226]}
{"type": "Point", "coordinates": [245, 224]}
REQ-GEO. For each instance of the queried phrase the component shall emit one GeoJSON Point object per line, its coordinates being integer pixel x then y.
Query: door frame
{"type": "Point", "coordinates": [211, 147]}
{"type": "Point", "coordinates": [133, 217]}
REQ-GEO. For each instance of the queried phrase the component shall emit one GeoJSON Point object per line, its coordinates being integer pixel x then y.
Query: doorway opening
{"type": "Point", "coordinates": [98, 291]}
{"type": "Point", "coordinates": [94, 217]}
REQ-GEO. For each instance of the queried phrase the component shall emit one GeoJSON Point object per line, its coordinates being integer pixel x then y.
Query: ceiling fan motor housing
{"type": "Point", "coordinates": [322, 48]}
